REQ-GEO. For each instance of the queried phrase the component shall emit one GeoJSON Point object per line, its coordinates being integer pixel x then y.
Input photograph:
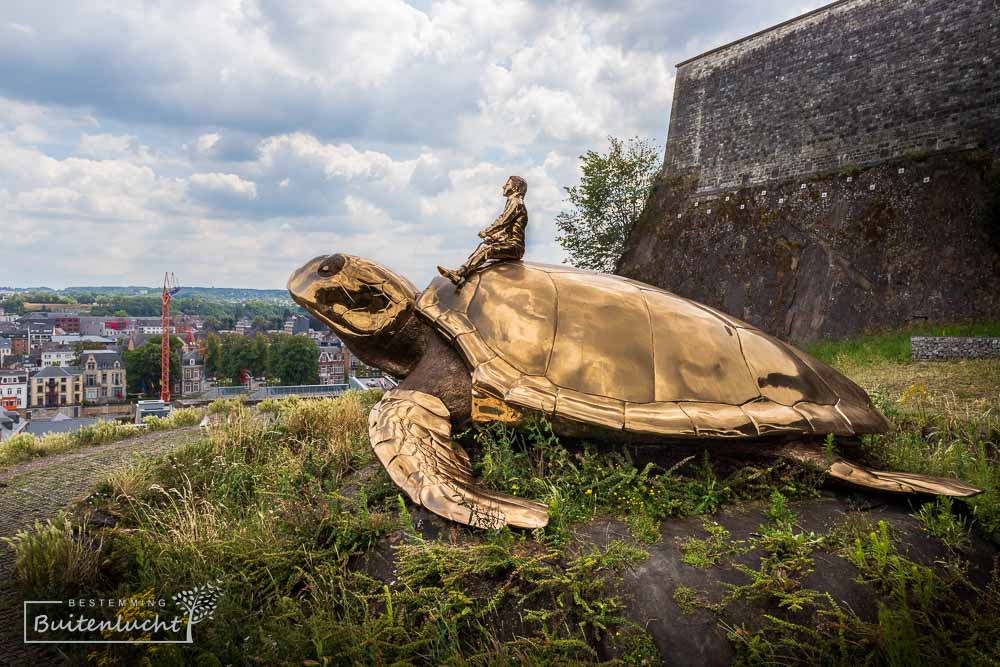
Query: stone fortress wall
{"type": "Point", "coordinates": [836, 173]}
{"type": "Point", "coordinates": [853, 83]}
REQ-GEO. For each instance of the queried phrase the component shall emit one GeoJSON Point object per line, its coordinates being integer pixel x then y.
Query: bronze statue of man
{"type": "Point", "coordinates": [503, 240]}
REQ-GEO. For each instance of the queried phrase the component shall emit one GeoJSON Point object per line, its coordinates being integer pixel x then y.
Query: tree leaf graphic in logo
{"type": "Point", "coordinates": [200, 603]}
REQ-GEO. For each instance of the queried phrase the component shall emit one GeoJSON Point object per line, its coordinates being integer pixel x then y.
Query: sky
{"type": "Point", "coordinates": [230, 141]}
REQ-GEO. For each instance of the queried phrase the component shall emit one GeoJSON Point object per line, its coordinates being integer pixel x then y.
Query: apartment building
{"type": "Point", "coordinates": [103, 376]}
{"type": "Point", "coordinates": [56, 386]}
{"type": "Point", "coordinates": [13, 390]}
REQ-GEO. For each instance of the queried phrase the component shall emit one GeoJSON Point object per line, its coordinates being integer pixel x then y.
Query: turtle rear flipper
{"type": "Point", "coordinates": [881, 480]}
{"type": "Point", "coordinates": [900, 482]}
{"type": "Point", "coordinates": [411, 434]}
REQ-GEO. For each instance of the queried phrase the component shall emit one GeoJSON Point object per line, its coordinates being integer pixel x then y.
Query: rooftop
{"type": "Point", "coordinates": [103, 358]}
{"type": "Point", "coordinates": [57, 372]}
{"type": "Point", "coordinates": [58, 425]}
{"type": "Point", "coordinates": [77, 338]}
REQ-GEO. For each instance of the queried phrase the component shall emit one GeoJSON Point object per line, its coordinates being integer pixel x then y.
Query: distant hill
{"type": "Point", "coordinates": [207, 293]}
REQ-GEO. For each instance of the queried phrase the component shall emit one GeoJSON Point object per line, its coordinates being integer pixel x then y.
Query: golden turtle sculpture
{"type": "Point", "coordinates": [601, 356]}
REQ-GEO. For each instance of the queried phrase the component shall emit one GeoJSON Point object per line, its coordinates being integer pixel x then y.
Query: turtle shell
{"type": "Point", "coordinates": [610, 351]}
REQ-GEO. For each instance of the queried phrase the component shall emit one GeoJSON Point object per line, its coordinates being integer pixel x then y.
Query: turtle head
{"type": "Point", "coordinates": [368, 306]}
{"type": "Point", "coordinates": [353, 296]}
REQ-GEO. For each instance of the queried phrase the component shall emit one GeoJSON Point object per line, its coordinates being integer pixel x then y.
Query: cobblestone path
{"type": "Point", "coordinates": [37, 490]}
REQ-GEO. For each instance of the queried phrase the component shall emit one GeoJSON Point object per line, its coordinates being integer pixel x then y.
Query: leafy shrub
{"type": "Point", "coordinates": [178, 418]}
{"type": "Point", "coordinates": [103, 432]}
{"type": "Point", "coordinates": [224, 406]}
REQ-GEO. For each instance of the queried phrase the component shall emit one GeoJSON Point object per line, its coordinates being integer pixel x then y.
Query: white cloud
{"type": "Point", "coordinates": [229, 141]}
{"type": "Point", "coordinates": [28, 133]}
{"type": "Point", "coordinates": [226, 185]}
{"type": "Point", "coordinates": [23, 29]}
{"type": "Point", "coordinates": [106, 145]}
{"type": "Point", "coordinates": [205, 142]}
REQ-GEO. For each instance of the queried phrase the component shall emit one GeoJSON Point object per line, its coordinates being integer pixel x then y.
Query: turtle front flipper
{"type": "Point", "coordinates": [882, 480]}
{"type": "Point", "coordinates": [411, 434]}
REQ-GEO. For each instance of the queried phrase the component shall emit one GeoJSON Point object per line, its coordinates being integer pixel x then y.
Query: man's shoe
{"type": "Point", "coordinates": [451, 275]}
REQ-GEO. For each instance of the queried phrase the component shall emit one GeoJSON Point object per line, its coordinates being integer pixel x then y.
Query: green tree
{"type": "Point", "coordinates": [607, 202]}
{"type": "Point", "coordinates": [238, 354]}
{"type": "Point", "coordinates": [13, 304]}
{"type": "Point", "coordinates": [142, 365]}
{"type": "Point", "coordinates": [261, 363]}
{"type": "Point", "coordinates": [295, 359]}
{"type": "Point", "coordinates": [213, 354]}
{"type": "Point", "coordinates": [85, 297]}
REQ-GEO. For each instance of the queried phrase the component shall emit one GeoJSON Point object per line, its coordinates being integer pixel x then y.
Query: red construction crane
{"type": "Point", "coordinates": [170, 288]}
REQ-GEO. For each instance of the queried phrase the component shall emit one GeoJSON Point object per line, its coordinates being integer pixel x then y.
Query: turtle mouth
{"type": "Point", "coordinates": [364, 311]}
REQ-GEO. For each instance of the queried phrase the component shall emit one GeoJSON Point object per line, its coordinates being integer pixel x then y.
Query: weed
{"type": "Point", "coordinates": [128, 482]}
{"type": "Point", "coordinates": [644, 527]}
{"type": "Point", "coordinates": [687, 599]}
{"type": "Point", "coordinates": [708, 552]}
{"type": "Point", "coordinates": [939, 519]}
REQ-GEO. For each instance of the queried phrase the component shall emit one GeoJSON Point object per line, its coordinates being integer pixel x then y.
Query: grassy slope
{"type": "Point", "coordinates": [293, 517]}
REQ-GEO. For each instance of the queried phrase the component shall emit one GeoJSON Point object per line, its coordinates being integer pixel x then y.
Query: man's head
{"type": "Point", "coordinates": [515, 184]}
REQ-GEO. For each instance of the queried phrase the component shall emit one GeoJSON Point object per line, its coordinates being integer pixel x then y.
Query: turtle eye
{"type": "Point", "coordinates": [331, 266]}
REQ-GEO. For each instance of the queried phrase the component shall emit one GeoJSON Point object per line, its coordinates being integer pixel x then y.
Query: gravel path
{"type": "Point", "coordinates": [40, 488]}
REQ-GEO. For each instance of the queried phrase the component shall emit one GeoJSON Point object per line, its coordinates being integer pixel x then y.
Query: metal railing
{"type": "Point", "coordinates": [306, 389]}
{"type": "Point", "coordinates": [261, 393]}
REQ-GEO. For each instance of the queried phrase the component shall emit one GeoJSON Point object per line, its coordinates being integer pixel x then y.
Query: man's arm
{"type": "Point", "coordinates": [509, 213]}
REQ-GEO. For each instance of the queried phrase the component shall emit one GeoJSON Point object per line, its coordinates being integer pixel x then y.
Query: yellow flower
{"type": "Point", "coordinates": [589, 491]}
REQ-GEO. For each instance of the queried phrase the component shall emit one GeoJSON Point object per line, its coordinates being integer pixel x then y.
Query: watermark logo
{"type": "Point", "coordinates": [137, 619]}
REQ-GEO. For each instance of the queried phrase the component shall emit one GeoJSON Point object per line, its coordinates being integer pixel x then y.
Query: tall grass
{"type": "Point", "coordinates": [943, 437]}
{"type": "Point", "coordinates": [55, 558]}
{"type": "Point", "coordinates": [25, 447]}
